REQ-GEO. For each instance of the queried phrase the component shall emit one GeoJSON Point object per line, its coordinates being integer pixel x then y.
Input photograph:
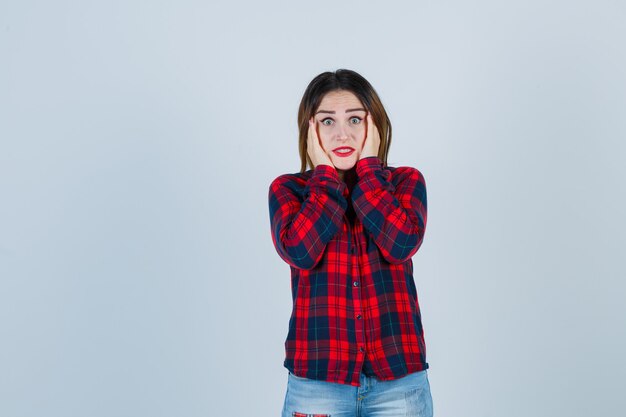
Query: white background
{"type": "Point", "coordinates": [138, 140]}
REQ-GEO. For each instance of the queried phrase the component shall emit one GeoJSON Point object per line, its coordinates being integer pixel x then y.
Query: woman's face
{"type": "Point", "coordinates": [341, 127]}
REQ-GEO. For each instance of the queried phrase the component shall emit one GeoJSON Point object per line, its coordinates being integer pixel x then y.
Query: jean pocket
{"type": "Point", "coordinates": [419, 403]}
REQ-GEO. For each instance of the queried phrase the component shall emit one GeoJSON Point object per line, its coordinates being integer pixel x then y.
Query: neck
{"type": "Point", "coordinates": [349, 177]}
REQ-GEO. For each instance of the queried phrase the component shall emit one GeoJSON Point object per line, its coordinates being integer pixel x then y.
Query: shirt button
{"type": "Point", "coordinates": [352, 250]}
{"type": "Point", "coordinates": [355, 283]}
{"type": "Point", "coordinates": [358, 317]}
{"type": "Point", "coordinates": [361, 349]}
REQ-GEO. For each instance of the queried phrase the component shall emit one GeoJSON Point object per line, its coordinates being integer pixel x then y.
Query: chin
{"type": "Point", "coordinates": [345, 165]}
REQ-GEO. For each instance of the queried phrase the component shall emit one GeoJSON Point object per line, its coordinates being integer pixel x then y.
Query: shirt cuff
{"type": "Point", "coordinates": [326, 177]}
{"type": "Point", "coordinates": [323, 170]}
{"type": "Point", "coordinates": [368, 164]}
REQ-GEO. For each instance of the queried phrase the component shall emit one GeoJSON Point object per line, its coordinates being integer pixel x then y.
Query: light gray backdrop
{"type": "Point", "coordinates": [138, 140]}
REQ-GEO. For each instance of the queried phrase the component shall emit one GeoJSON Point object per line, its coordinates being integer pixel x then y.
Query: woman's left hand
{"type": "Point", "coordinates": [372, 140]}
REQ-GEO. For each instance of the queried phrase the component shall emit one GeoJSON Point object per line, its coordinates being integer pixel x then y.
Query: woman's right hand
{"type": "Point", "coordinates": [314, 148]}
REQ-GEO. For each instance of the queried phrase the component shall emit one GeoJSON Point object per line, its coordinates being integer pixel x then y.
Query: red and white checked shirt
{"type": "Point", "coordinates": [351, 270]}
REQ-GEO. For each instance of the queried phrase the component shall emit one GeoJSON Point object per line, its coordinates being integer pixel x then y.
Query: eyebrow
{"type": "Point", "coordinates": [347, 111]}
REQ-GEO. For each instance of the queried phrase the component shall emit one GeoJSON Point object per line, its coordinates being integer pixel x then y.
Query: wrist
{"type": "Point", "coordinates": [367, 155]}
{"type": "Point", "coordinates": [324, 164]}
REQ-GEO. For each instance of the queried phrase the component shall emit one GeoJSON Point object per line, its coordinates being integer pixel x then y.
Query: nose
{"type": "Point", "coordinates": [342, 132]}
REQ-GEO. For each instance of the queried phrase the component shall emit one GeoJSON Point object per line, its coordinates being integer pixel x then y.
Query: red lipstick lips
{"type": "Point", "coordinates": [343, 151]}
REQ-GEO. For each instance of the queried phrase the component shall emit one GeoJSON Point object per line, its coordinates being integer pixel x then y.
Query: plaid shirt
{"type": "Point", "coordinates": [351, 270]}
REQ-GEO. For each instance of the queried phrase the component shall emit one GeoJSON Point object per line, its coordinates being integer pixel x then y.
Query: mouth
{"type": "Point", "coordinates": [343, 151]}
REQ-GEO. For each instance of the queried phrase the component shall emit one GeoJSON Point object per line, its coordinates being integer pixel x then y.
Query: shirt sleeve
{"type": "Point", "coordinates": [302, 223]}
{"type": "Point", "coordinates": [393, 213]}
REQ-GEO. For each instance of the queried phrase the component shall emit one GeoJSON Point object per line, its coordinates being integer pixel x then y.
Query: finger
{"type": "Point", "coordinates": [313, 144]}
{"type": "Point", "coordinates": [317, 137]}
{"type": "Point", "coordinates": [312, 127]}
{"type": "Point", "coordinates": [311, 136]}
{"type": "Point", "coordinates": [374, 131]}
{"type": "Point", "coordinates": [368, 130]}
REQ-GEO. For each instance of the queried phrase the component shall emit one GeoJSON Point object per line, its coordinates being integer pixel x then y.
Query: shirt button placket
{"type": "Point", "coordinates": [356, 293]}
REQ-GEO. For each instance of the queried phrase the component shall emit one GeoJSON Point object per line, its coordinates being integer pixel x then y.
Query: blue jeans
{"type": "Point", "coordinates": [406, 396]}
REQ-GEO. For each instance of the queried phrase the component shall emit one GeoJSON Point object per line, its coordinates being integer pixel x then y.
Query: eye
{"type": "Point", "coordinates": [327, 121]}
{"type": "Point", "coordinates": [355, 120]}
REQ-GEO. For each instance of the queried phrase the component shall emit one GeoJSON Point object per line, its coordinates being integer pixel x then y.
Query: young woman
{"type": "Point", "coordinates": [348, 228]}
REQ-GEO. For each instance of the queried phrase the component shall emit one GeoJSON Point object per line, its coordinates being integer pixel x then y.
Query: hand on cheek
{"type": "Point", "coordinates": [372, 139]}
{"type": "Point", "coordinates": [314, 147]}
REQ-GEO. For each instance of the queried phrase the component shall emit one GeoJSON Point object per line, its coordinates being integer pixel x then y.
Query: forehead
{"type": "Point", "coordinates": [341, 99]}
